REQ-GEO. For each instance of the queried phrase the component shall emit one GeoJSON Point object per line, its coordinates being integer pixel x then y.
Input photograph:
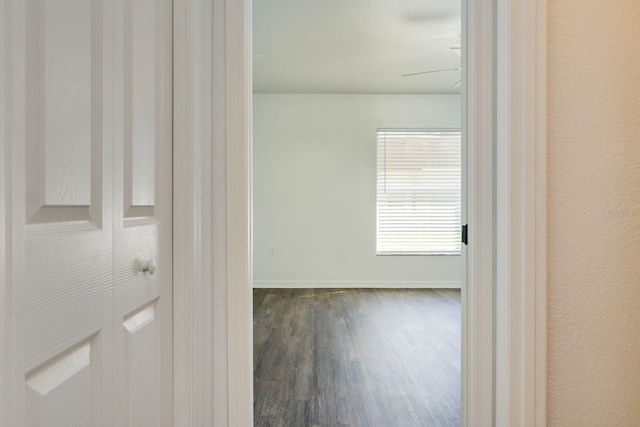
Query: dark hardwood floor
{"type": "Point", "coordinates": [357, 357]}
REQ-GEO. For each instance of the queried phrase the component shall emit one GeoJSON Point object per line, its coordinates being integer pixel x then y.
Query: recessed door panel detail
{"type": "Point", "coordinates": [61, 392]}
{"type": "Point", "coordinates": [142, 367]}
{"type": "Point", "coordinates": [141, 99]}
{"type": "Point", "coordinates": [63, 126]}
{"type": "Point", "coordinates": [140, 319]}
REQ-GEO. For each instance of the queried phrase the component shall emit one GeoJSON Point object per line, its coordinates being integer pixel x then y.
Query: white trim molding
{"type": "Point", "coordinates": [196, 385]}
{"type": "Point", "coordinates": [356, 284]}
{"type": "Point", "coordinates": [185, 219]}
{"type": "Point", "coordinates": [5, 221]}
{"type": "Point", "coordinates": [521, 214]}
{"type": "Point", "coordinates": [239, 267]}
{"type": "Point", "coordinates": [213, 349]}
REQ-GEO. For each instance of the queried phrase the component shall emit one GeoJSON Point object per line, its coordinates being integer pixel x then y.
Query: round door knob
{"type": "Point", "coordinates": [150, 267]}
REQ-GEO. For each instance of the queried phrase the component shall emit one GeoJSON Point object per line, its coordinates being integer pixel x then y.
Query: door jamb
{"type": "Point", "coordinates": [513, 344]}
{"type": "Point", "coordinates": [478, 285]}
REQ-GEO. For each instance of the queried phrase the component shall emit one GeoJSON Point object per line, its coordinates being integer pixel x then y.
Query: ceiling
{"type": "Point", "coordinates": [355, 46]}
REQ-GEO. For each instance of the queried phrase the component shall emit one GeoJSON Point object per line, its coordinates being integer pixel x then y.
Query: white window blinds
{"type": "Point", "coordinates": [419, 192]}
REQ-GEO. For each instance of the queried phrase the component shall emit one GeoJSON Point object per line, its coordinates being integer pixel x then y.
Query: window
{"type": "Point", "coordinates": [419, 192]}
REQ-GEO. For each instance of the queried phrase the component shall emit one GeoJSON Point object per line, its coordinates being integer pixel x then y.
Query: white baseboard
{"type": "Point", "coordinates": [324, 284]}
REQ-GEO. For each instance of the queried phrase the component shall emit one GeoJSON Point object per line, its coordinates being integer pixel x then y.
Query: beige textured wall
{"type": "Point", "coordinates": [594, 213]}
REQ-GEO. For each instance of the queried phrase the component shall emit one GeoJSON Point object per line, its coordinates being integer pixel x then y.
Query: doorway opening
{"type": "Point", "coordinates": [503, 365]}
{"type": "Point", "coordinates": [357, 213]}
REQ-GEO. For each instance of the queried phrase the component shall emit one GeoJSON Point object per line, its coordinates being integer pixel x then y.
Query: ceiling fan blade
{"type": "Point", "coordinates": [432, 71]}
{"type": "Point", "coordinates": [457, 85]}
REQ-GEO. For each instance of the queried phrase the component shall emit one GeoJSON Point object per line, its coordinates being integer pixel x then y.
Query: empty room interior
{"type": "Point", "coordinates": [357, 207]}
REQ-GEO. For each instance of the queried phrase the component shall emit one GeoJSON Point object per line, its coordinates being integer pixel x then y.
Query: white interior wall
{"type": "Point", "coordinates": [314, 195]}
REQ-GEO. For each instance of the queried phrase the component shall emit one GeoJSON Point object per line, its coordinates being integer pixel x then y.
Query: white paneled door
{"type": "Point", "coordinates": [88, 303]}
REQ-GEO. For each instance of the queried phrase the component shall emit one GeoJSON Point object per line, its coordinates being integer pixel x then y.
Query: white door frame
{"type": "Point", "coordinates": [504, 300]}
{"type": "Point", "coordinates": [212, 274]}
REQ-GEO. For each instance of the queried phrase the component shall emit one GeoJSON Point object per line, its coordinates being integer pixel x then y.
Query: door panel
{"type": "Point", "coordinates": [61, 80]}
{"type": "Point", "coordinates": [67, 231]}
{"type": "Point", "coordinates": [142, 85]}
{"type": "Point", "coordinates": [90, 331]}
{"type": "Point", "coordinates": [63, 133]}
{"type": "Point", "coordinates": [142, 234]}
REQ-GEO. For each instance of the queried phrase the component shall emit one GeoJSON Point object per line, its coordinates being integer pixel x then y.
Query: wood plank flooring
{"type": "Point", "coordinates": [356, 357]}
